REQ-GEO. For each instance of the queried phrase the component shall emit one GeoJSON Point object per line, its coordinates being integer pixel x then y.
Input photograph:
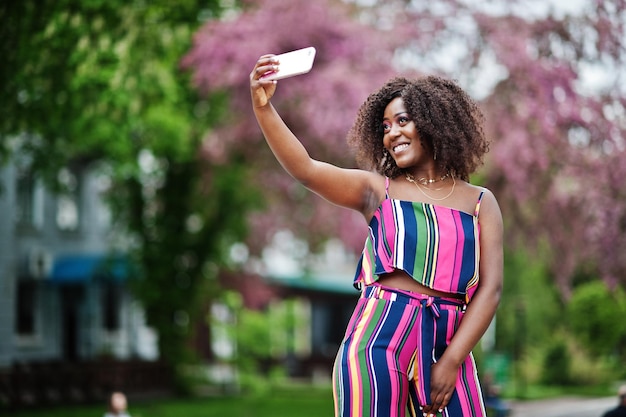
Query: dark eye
{"type": "Point", "coordinates": [403, 120]}
{"type": "Point", "coordinates": [385, 127]}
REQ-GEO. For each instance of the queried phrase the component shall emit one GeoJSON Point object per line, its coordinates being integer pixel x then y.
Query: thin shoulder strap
{"type": "Point", "coordinates": [480, 198]}
{"type": "Point", "coordinates": [387, 187]}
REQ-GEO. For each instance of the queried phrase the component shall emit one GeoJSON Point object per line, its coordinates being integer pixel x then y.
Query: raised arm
{"type": "Point", "coordinates": [351, 188]}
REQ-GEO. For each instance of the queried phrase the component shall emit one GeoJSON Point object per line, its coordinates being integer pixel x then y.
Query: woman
{"type": "Point", "coordinates": [432, 236]}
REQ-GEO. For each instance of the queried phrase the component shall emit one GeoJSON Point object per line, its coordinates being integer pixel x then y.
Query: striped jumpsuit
{"type": "Point", "coordinates": [394, 336]}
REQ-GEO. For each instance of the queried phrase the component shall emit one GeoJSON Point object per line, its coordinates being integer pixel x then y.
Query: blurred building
{"type": "Point", "coordinates": [305, 302]}
{"type": "Point", "coordinates": [69, 322]}
{"type": "Point", "coordinates": [63, 293]}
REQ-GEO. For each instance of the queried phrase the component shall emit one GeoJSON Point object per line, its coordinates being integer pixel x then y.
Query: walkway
{"type": "Point", "coordinates": [564, 407]}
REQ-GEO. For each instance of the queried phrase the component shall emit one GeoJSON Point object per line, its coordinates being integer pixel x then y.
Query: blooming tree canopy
{"type": "Point", "coordinates": [352, 59]}
{"type": "Point", "coordinates": [558, 153]}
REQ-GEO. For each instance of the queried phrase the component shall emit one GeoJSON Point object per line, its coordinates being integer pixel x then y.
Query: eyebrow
{"type": "Point", "coordinates": [396, 115]}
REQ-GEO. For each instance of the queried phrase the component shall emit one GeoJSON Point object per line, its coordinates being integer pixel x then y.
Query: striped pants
{"type": "Point", "coordinates": [383, 365]}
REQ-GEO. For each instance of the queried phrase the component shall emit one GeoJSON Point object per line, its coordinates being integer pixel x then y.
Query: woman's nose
{"type": "Point", "coordinates": [394, 130]}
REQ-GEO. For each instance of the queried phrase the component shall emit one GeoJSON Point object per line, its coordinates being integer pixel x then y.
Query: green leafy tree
{"type": "Point", "coordinates": [594, 316]}
{"type": "Point", "coordinates": [557, 364]}
{"type": "Point", "coordinates": [91, 84]}
{"type": "Point", "coordinates": [250, 331]}
{"type": "Point", "coordinates": [530, 310]}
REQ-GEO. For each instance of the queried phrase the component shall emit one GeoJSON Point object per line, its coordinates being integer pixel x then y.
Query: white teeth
{"type": "Point", "coordinates": [400, 148]}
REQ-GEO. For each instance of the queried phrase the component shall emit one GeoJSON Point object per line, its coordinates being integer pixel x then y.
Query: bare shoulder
{"type": "Point", "coordinates": [489, 207]}
{"type": "Point", "coordinates": [474, 191]}
{"type": "Point", "coordinates": [478, 198]}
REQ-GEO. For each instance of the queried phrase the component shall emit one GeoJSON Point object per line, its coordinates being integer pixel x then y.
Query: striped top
{"type": "Point", "coordinates": [436, 245]}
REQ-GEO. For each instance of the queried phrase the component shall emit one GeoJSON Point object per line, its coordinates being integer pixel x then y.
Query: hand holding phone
{"type": "Point", "coordinates": [292, 63]}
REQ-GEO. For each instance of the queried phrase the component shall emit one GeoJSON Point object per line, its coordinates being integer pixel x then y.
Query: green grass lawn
{"type": "Point", "coordinates": [295, 401]}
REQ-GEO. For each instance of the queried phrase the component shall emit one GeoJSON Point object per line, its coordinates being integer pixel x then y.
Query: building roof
{"type": "Point", "coordinates": [316, 282]}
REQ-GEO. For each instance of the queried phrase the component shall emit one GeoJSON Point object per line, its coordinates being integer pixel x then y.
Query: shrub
{"type": "Point", "coordinates": [557, 364]}
{"type": "Point", "coordinates": [595, 317]}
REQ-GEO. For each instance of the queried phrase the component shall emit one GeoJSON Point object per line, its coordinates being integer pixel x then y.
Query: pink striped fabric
{"type": "Point", "coordinates": [383, 365]}
{"type": "Point", "coordinates": [436, 245]}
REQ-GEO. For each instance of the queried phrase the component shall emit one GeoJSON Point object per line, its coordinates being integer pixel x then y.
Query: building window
{"type": "Point", "coordinates": [68, 213]}
{"type": "Point", "coordinates": [103, 186]}
{"type": "Point", "coordinates": [111, 305]}
{"type": "Point", "coordinates": [328, 323]}
{"type": "Point", "coordinates": [26, 308]}
{"type": "Point", "coordinates": [29, 210]}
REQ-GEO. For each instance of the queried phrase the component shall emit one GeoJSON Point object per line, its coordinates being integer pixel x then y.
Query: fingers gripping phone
{"type": "Point", "coordinates": [292, 63]}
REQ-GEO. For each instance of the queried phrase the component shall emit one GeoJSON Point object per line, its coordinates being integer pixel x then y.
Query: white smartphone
{"type": "Point", "coordinates": [292, 63]}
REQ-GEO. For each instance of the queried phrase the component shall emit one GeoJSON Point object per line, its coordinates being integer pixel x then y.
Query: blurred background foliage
{"type": "Point", "coordinates": [97, 84]}
{"type": "Point", "coordinates": [155, 94]}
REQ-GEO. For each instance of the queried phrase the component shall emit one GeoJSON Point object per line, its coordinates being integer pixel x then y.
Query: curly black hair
{"type": "Point", "coordinates": [448, 122]}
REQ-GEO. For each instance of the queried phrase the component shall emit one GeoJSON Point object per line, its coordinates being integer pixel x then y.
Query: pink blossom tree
{"type": "Point", "coordinates": [558, 154]}
{"type": "Point", "coordinates": [352, 59]}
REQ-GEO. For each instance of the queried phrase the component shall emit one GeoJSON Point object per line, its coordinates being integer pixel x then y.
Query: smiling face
{"type": "Point", "coordinates": [400, 137]}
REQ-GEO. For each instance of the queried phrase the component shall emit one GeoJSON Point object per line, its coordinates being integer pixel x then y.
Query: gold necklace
{"type": "Point", "coordinates": [412, 180]}
{"type": "Point", "coordinates": [427, 181]}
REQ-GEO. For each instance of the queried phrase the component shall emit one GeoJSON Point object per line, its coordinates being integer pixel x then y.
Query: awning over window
{"type": "Point", "coordinates": [76, 269]}
{"type": "Point", "coordinates": [320, 283]}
